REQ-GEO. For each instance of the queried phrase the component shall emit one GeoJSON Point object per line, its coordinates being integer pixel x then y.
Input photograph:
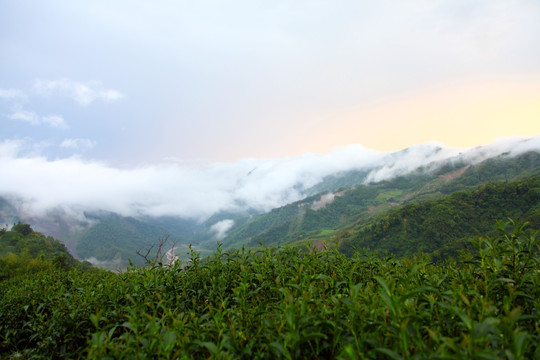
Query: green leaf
{"type": "Point", "coordinates": [210, 346]}
{"type": "Point", "coordinates": [384, 285]}
{"type": "Point", "coordinates": [390, 353]}
{"type": "Point", "coordinates": [280, 349]}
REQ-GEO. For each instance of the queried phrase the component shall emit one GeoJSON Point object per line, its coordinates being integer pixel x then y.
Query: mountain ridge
{"type": "Point", "coordinates": [365, 201]}
{"type": "Point", "coordinates": [424, 175]}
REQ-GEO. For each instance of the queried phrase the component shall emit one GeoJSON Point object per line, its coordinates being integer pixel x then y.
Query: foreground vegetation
{"type": "Point", "coordinates": [285, 303]}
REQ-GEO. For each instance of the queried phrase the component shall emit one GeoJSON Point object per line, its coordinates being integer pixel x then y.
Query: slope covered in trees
{"type": "Point", "coordinates": [115, 237]}
{"type": "Point", "coordinates": [358, 205]}
{"type": "Point", "coordinates": [23, 250]}
{"type": "Point", "coordinates": [442, 226]}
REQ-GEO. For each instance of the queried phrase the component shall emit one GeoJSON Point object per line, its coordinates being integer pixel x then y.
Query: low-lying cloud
{"type": "Point", "coordinates": [175, 189]}
{"type": "Point", "coordinates": [221, 227]}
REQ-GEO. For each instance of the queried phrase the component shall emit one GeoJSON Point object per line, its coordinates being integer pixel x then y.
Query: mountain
{"type": "Point", "coordinates": [321, 215]}
{"type": "Point", "coordinates": [442, 227]}
{"type": "Point", "coordinates": [114, 239]}
{"type": "Point", "coordinates": [325, 196]}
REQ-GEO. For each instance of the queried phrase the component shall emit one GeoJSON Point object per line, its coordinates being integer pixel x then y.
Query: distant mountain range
{"type": "Point", "coordinates": [322, 215]}
{"type": "Point", "coordinates": [336, 208]}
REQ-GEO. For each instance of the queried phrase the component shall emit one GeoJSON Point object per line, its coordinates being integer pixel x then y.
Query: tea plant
{"type": "Point", "coordinates": [286, 303]}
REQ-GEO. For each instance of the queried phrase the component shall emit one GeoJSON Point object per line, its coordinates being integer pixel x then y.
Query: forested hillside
{"type": "Point", "coordinates": [115, 239]}
{"type": "Point", "coordinates": [442, 227]}
{"type": "Point", "coordinates": [23, 250]}
{"type": "Point", "coordinates": [354, 206]}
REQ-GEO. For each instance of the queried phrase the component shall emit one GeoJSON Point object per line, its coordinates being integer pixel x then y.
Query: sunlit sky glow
{"type": "Point", "coordinates": [130, 83]}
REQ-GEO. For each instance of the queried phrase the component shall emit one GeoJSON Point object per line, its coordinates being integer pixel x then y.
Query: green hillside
{"type": "Point", "coordinates": [23, 250]}
{"type": "Point", "coordinates": [442, 226]}
{"type": "Point", "coordinates": [357, 205]}
{"type": "Point", "coordinates": [500, 168]}
{"type": "Point", "coordinates": [114, 237]}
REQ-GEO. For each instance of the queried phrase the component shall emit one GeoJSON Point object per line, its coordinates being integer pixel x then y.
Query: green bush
{"type": "Point", "coordinates": [285, 303]}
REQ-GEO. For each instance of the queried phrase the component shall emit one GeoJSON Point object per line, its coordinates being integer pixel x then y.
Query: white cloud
{"type": "Point", "coordinates": [19, 149]}
{"type": "Point", "coordinates": [180, 190]}
{"type": "Point", "coordinates": [16, 98]}
{"type": "Point", "coordinates": [78, 144]}
{"type": "Point", "coordinates": [10, 148]}
{"type": "Point", "coordinates": [32, 118]}
{"type": "Point", "coordinates": [55, 121]}
{"type": "Point", "coordinates": [169, 189]}
{"type": "Point", "coordinates": [27, 116]}
{"type": "Point", "coordinates": [116, 263]}
{"type": "Point", "coordinates": [12, 95]}
{"type": "Point", "coordinates": [221, 228]}
{"type": "Point", "coordinates": [82, 93]}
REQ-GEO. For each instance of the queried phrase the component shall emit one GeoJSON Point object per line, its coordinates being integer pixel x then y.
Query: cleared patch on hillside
{"type": "Point", "coordinates": [326, 199]}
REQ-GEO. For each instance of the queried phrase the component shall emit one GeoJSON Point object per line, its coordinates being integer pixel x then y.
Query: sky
{"type": "Point", "coordinates": [118, 90]}
{"type": "Point", "coordinates": [137, 82]}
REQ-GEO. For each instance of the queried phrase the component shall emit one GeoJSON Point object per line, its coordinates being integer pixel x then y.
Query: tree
{"type": "Point", "coordinates": [23, 229]}
{"type": "Point", "coordinates": [160, 252]}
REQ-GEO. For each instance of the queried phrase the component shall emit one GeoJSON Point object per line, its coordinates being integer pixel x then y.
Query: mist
{"type": "Point", "coordinates": [37, 185]}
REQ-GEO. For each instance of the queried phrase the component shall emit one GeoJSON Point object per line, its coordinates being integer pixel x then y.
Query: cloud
{"type": "Point", "coordinates": [27, 116]}
{"type": "Point", "coordinates": [82, 93]}
{"type": "Point", "coordinates": [116, 263]}
{"type": "Point", "coordinates": [221, 228]}
{"type": "Point", "coordinates": [186, 191]}
{"type": "Point", "coordinates": [55, 121]}
{"type": "Point", "coordinates": [16, 98]}
{"type": "Point", "coordinates": [32, 118]}
{"type": "Point", "coordinates": [167, 189]}
{"type": "Point", "coordinates": [410, 159]}
{"type": "Point", "coordinates": [20, 149]}
{"type": "Point", "coordinates": [10, 149]}
{"type": "Point", "coordinates": [12, 95]}
{"type": "Point", "coordinates": [78, 144]}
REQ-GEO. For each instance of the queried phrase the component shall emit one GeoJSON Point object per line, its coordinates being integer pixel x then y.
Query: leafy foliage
{"type": "Point", "coordinates": [23, 229]}
{"type": "Point", "coordinates": [286, 303]}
